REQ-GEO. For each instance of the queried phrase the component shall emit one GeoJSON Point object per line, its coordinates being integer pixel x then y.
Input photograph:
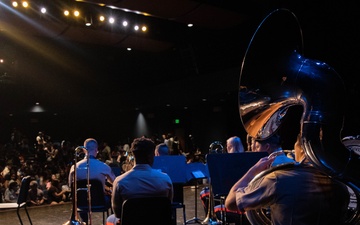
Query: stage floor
{"type": "Point", "coordinates": [60, 214]}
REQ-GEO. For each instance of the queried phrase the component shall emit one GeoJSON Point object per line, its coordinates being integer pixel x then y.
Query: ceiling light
{"type": "Point", "coordinates": [25, 4]}
{"type": "Point", "coordinates": [43, 10]}
{"type": "Point", "coordinates": [14, 4]}
{"type": "Point", "coordinates": [76, 13]}
{"type": "Point", "coordinates": [111, 20]}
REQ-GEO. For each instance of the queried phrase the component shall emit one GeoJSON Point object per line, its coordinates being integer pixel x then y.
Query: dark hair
{"type": "Point", "coordinates": [142, 144]}
{"type": "Point", "coordinates": [273, 140]}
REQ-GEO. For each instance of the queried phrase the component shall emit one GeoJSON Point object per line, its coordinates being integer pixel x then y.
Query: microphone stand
{"type": "Point", "coordinates": [74, 220]}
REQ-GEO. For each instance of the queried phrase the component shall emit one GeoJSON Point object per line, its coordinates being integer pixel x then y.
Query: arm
{"type": "Point", "coordinates": [261, 165]}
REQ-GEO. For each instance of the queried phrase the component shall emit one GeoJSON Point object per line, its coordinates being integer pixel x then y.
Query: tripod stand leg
{"type": "Point", "coordinates": [195, 219]}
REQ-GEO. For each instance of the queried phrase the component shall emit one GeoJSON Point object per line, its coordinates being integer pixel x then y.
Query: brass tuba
{"type": "Point", "coordinates": [286, 80]}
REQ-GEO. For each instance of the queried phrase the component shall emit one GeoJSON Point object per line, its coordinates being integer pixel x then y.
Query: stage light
{"type": "Point", "coordinates": [111, 20]}
{"type": "Point", "coordinates": [43, 10]}
{"type": "Point", "coordinates": [76, 13]}
{"type": "Point", "coordinates": [143, 28]}
{"type": "Point", "coordinates": [102, 18]}
{"type": "Point", "coordinates": [66, 13]}
{"type": "Point", "coordinates": [15, 4]}
{"type": "Point", "coordinates": [25, 4]}
{"type": "Point", "coordinates": [136, 27]}
{"type": "Point", "coordinates": [125, 23]}
{"type": "Point", "coordinates": [88, 21]}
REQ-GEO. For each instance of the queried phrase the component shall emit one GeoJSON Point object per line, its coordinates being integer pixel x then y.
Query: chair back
{"type": "Point", "coordinates": [146, 210]}
{"type": "Point", "coordinates": [97, 195]}
{"type": "Point", "coordinates": [24, 190]}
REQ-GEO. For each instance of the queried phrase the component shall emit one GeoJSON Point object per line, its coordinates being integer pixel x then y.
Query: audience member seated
{"type": "Point", "coordinates": [12, 192]}
{"type": "Point", "coordinates": [54, 194]}
{"type": "Point", "coordinates": [36, 195]}
{"type": "Point", "coordinates": [140, 181]}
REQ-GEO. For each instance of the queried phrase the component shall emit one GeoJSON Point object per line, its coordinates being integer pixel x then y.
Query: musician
{"type": "Point", "coordinates": [98, 170]}
{"type": "Point", "coordinates": [141, 181]}
{"type": "Point", "coordinates": [300, 194]}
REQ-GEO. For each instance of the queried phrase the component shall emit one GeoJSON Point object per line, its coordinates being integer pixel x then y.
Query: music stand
{"type": "Point", "coordinates": [226, 169]}
{"type": "Point", "coordinates": [175, 167]}
{"type": "Point", "coordinates": [196, 171]}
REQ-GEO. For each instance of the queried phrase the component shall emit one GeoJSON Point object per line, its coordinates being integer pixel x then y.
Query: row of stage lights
{"type": "Point", "coordinates": [76, 14]}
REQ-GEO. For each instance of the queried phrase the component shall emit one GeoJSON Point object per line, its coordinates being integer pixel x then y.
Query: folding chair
{"type": "Point", "coordinates": [21, 202]}
{"type": "Point", "coordinates": [98, 202]}
{"type": "Point", "coordinates": [146, 210]}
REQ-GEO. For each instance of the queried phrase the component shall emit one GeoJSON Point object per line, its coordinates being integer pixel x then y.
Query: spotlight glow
{"type": "Point", "coordinates": [76, 13]}
{"type": "Point", "coordinates": [25, 4]}
{"type": "Point", "coordinates": [43, 10]}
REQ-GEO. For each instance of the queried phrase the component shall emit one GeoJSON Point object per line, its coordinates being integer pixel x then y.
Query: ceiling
{"type": "Point", "coordinates": [66, 65]}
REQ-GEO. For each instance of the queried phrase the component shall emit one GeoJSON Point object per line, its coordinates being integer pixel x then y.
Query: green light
{"type": "Point", "coordinates": [177, 121]}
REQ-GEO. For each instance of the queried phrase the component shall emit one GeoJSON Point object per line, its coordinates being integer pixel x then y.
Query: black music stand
{"type": "Point", "coordinates": [175, 167]}
{"type": "Point", "coordinates": [226, 169]}
{"type": "Point", "coordinates": [197, 171]}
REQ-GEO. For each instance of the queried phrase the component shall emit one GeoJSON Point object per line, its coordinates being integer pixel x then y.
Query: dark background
{"type": "Point", "coordinates": [90, 85]}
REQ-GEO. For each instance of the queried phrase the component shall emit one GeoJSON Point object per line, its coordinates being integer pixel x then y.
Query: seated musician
{"type": "Point", "coordinates": [140, 181]}
{"type": "Point", "coordinates": [272, 146]}
{"type": "Point", "coordinates": [98, 170]}
{"type": "Point", "coordinates": [298, 195]}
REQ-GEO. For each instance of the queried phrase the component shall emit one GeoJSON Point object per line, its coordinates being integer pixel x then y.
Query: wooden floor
{"type": "Point", "coordinates": [60, 214]}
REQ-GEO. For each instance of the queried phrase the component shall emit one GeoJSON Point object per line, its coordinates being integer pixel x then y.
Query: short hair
{"type": "Point", "coordinates": [91, 145]}
{"type": "Point", "coordinates": [273, 140]}
{"type": "Point", "coordinates": [142, 144]}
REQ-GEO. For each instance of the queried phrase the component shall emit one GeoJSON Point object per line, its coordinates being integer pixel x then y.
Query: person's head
{"type": "Point", "coordinates": [268, 145]}
{"type": "Point", "coordinates": [33, 185]}
{"type": "Point", "coordinates": [143, 150]}
{"type": "Point", "coordinates": [91, 146]}
{"type": "Point", "coordinates": [13, 185]}
{"type": "Point", "coordinates": [161, 149]}
{"type": "Point", "coordinates": [234, 145]}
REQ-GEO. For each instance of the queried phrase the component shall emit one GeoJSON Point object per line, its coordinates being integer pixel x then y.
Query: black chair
{"type": "Point", "coordinates": [98, 198]}
{"type": "Point", "coordinates": [178, 201]}
{"type": "Point", "coordinates": [146, 210]}
{"type": "Point", "coordinates": [21, 202]}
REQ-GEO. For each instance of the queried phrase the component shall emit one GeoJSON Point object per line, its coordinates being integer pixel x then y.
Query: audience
{"type": "Point", "coordinates": [36, 195]}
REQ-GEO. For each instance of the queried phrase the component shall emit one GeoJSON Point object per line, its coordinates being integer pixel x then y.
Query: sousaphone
{"type": "Point", "coordinates": [275, 77]}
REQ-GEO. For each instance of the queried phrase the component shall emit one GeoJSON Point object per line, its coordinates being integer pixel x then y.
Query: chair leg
{"type": "Point", "coordinates": [28, 216]}
{"type": "Point", "coordinates": [18, 214]}
{"type": "Point", "coordinates": [184, 214]}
